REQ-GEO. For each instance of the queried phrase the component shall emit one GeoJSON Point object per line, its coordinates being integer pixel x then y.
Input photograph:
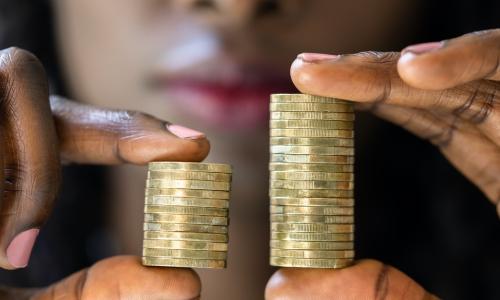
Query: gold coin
{"type": "Point", "coordinates": [312, 201]}
{"type": "Point", "coordinates": [189, 166]}
{"type": "Point", "coordinates": [186, 210]}
{"type": "Point", "coordinates": [185, 175]}
{"type": "Point", "coordinates": [304, 98]}
{"type": "Point", "coordinates": [312, 159]}
{"type": "Point", "coordinates": [316, 107]}
{"type": "Point", "coordinates": [328, 228]}
{"type": "Point", "coordinates": [310, 263]}
{"type": "Point", "coordinates": [176, 253]}
{"type": "Point", "coordinates": [312, 219]}
{"type": "Point", "coordinates": [311, 115]}
{"type": "Point", "coordinates": [312, 185]}
{"type": "Point", "coordinates": [312, 236]}
{"type": "Point", "coordinates": [312, 245]}
{"type": "Point", "coordinates": [322, 176]}
{"type": "Point", "coordinates": [183, 262]}
{"type": "Point", "coordinates": [188, 184]}
{"type": "Point", "coordinates": [185, 219]}
{"type": "Point", "coordinates": [323, 124]}
{"type": "Point", "coordinates": [184, 227]}
{"type": "Point", "coordinates": [306, 132]}
{"type": "Point", "coordinates": [221, 195]}
{"type": "Point", "coordinates": [315, 210]}
{"type": "Point", "coordinates": [312, 253]}
{"type": "Point", "coordinates": [288, 167]}
{"type": "Point", "coordinates": [189, 245]}
{"type": "Point", "coordinates": [186, 236]}
{"type": "Point", "coordinates": [179, 201]}
{"type": "Point", "coordinates": [315, 141]}
{"type": "Point", "coordinates": [316, 150]}
{"type": "Point", "coordinates": [311, 193]}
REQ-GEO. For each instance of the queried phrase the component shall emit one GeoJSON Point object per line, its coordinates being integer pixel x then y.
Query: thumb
{"type": "Point", "coordinates": [367, 279]}
{"type": "Point", "coordinates": [99, 136]}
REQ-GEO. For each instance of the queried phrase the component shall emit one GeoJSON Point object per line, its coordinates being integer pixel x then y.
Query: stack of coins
{"type": "Point", "coordinates": [312, 181]}
{"type": "Point", "coordinates": [186, 215]}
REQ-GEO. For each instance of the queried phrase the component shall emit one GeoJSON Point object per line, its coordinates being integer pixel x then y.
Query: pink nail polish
{"type": "Point", "coordinates": [316, 57]}
{"type": "Point", "coordinates": [19, 250]}
{"type": "Point", "coordinates": [184, 132]}
{"type": "Point", "coordinates": [423, 48]}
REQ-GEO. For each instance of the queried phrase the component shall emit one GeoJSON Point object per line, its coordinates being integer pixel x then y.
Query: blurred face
{"type": "Point", "coordinates": [208, 64]}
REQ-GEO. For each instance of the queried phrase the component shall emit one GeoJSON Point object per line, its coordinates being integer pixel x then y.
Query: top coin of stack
{"type": "Point", "coordinates": [312, 181]}
{"type": "Point", "coordinates": [186, 215]}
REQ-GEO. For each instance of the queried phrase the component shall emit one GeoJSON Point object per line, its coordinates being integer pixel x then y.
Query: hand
{"type": "Point", "coordinates": [446, 92]}
{"type": "Point", "coordinates": [37, 134]}
{"type": "Point", "coordinates": [117, 278]}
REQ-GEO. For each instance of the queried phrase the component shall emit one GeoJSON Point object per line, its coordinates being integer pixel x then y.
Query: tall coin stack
{"type": "Point", "coordinates": [312, 181]}
{"type": "Point", "coordinates": [186, 215]}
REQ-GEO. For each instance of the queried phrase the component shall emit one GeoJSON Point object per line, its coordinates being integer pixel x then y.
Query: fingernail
{"type": "Point", "coordinates": [19, 250]}
{"type": "Point", "coordinates": [316, 57]}
{"type": "Point", "coordinates": [423, 48]}
{"type": "Point", "coordinates": [184, 132]}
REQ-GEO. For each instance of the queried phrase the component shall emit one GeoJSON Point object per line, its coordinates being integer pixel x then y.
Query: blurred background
{"type": "Point", "coordinates": [211, 65]}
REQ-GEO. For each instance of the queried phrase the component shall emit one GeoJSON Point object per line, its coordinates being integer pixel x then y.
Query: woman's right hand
{"type": "Point", "coordinates": [37, 134]}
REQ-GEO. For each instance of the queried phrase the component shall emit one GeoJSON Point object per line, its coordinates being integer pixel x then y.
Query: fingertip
{"type": "Point", "coordinates": [420, 72]}
{"type": "Point", "coordinates": [301, 75]}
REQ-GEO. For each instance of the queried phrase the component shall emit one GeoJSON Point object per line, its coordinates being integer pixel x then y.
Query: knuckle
{"type": "Point", "coordinates": [480, 99]}
{"type": "Point", "coordinates": [377, 57]}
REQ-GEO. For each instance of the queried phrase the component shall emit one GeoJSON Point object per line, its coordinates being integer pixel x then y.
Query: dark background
{"type": "Point", "coordinates": [422, 215]}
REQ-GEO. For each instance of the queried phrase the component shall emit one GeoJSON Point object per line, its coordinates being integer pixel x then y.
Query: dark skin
{"type": "Point", "coordinates": [448, 95]}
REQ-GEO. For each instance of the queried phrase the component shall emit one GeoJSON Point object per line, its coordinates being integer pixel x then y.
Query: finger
{"type": "Point", "coordinates": [442, 65]}
{"type": "Point", "coordinates": [123, 277]}
{"type": "Point", "coordinates": [465, 147]}
{"type": "Point", "coordinates": [31, 160]}
{"type": "Point", "coordinates": [371, 77]}
{"type": "Point", "coordinates": [367, 279]}
{"type": "Point", "coordinates": [97, 136]}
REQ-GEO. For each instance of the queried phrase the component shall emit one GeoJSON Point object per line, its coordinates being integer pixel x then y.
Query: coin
{"type": "Point", "coordinates": [316, 150]}
{"type": "Point", "coordinates": [183, 262]}
{"type": "Point", "coordinates": [307, 132]}
{"type": "Point", "coordinates": [221, 195]}
{"type": "Point", "coordinates": [313, 227]}
{"type": "Point", "coordinates": [312, 236]}
{"type": "Point", "coordinates": [312, 159]}
{"type": "Point", "coordinates": [312, 201]}
{"type": "Point", "coordinates": [185, 219]}
{"type": "Point", "coordinates": [321, 107]}
{"type": "Point", "coordinates": [312, 141]}
{"type": "Point", "coordinates": [312, 185]}
{"type": "Point", "coordinates": [311, 115]}
{"type": "Point", "coordinates": [179, 201]}
{"type": "Point", "coordinates": [311, 193]}
{"type": "Point", "coordinates": [177, 253]}
{"type": "Point", "coordinates": [186, 210]}
{"type": "Point", "coordinates": [190, 245]}
{"type": "Point", "coordinates": [185, 236]}
{"type": "Point", "coordinates": [188, 184]}
{"type": "Point", "coordinates": [310, 263]}
{"type": "Point", "coordinates": [184, 227]}
{"type": "Point", "coordinates": [190, 166]}
{"type": "Point", "coordinates": [278, 244]}
{"type": "Point", "coordinates": [323, 124]}
{"type": "Point", "coordinates": [312, 219]}
{"type": "Point", "coordinates": [315, 210]}
{"type": "Point", "coordinates": [349, 168]}
{"type": "Point", "coordinates": [304, 98]}
{"type": "Point", "coordinates": [312, 253]}
{"type": "Point", "coordinates": [277, 175]}
{"type": "Point", "coordinates": [189, 175]}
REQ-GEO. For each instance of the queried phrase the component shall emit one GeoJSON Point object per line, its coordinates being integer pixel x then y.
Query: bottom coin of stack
{"type": "Point", "coordinates": [311, 181]}
{"type": "Point", "coordinates": [186, 215]}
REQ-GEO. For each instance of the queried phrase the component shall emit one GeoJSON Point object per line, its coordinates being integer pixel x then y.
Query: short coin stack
{"type": "Point", "coordinates": [312, 181]}
{"type": "Point", "coordinates": [186, 215]}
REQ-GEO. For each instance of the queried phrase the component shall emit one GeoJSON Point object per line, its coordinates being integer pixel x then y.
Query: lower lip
{"type": "Point", "coordinates": [227, 107]}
